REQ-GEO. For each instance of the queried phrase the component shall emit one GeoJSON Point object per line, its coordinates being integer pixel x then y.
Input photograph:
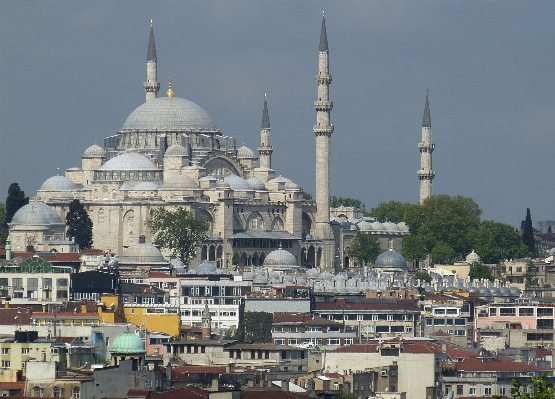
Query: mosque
{"type": "Point", "coordinates": [169, 153]}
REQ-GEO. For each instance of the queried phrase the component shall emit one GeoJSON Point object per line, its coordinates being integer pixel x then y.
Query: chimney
{"type": "Point", "coordinates": [285, 385]}
{"type": "Point", "coordinates": [215, 385]}
{"type": "Point", "coordinates": [169, 374]}
{"type": "Point", "coordinates": [8, 249]}
{"type": "Point", "coordinates": [83, 306]}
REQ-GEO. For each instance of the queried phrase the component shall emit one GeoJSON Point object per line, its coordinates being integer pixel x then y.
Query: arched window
{"type": "Point", "coordinates": [101, 216]}
{"type": "Point", "coordinates": [58, 392]}
{"type": "Point", "coordinates": [255, 221]}
{"type": "Point", "coordinates": [37, 391]}
{"type": "Point", "coordinates": [105, 192]}
{"type": "Point", "coordinates": [95, 194]}
{"type": "Point", "coordinates": [114, 194]}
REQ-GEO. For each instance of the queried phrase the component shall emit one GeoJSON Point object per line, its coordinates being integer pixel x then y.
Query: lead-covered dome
{"type": "Point", "coordinates": [94, 151]}
{"type": "Point", "coordinates": [280, 257]}
{"type": "Point", "coordinates": [128, 343]}
{"type": "Point", "coordinates": [176, 150]}
{"type": "Point", "coordinates": [256, 183]}
{"type": "Point", "coordinates": [58, 183]}
{"type": "Point", "coordinates": [391, 260]}
{"type": "Point", "coordinates": [129, 161]}
{"type": "Point", "coordinates": [170, 113]}
{"type": "Point", "coordinates": [142, 254]}
{"type": "Point", "coordinates": [36, 214]}
{"type": "Point", "coordinates": [237, 183]}
{"type": "Point", "coordinates": [245, 152]}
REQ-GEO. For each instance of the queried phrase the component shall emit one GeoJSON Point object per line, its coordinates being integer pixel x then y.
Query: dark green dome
{"type": "Point", "coordinates": [128, 343]}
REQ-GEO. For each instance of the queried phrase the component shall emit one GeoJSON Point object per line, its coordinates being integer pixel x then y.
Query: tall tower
{"type": "Point", "coordinates": [206, 322]}
{"type": "Point", "coordinates": [426, 174]}
{"type": "Point", "coordinates": [323, 130]}
{"type": "Point", "coordinates": [151, 85]}
{"type": "Point", "coordinates": [265, 149]}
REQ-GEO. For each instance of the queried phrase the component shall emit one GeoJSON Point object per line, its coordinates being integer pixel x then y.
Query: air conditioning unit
{"type": "Point", "coordinates": [384, 373]}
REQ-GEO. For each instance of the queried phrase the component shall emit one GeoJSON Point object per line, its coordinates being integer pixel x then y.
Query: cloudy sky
{"type": "Point", "coordinates": [72, 72]}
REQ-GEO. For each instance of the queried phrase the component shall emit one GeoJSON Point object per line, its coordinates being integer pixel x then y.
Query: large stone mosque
{"type": "Point", "coordinates": [169, 153]}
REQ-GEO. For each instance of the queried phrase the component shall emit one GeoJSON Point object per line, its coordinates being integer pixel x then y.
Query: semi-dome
{"type": "Point", "coordinates": [170, 113]}
{"type": "Point", "coordinates": [36, 214]}
{"type": "Point", "coordinates": [142, 253]}
{"type": "Point", "coordinates": [256, 183]}
{"type": "Point", "coordinates": [182, 182]}
{"type": "Point", "coordinates": [176, 150]}
{"type": "Point", "coordinates": [237, 183]}
{"type": "Point", "coordinates": [128, 343]}
{"type": "Point", "coordinates": [58, 183]}
{"type": "Point", "coordinates": [280, 257]}
{"type": "Point", "coordinates": [473, 257]}
{"type": "Point", "coordinates": [245, 152]}
{"type": "Point", "coordinates": [94, 151]}
{"type": "Point", "coordinates": [129, 161]}
{"type": "Point", "coordinates": [390, 259]}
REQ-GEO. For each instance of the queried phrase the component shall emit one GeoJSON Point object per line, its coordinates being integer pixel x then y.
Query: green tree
{"type": "Point", "coordinates": [531, 276]}
{"type": "Point", "coordinates": [414, 248]}
{"type": "Point", "coordinates": [336, 202]}
{"type": "Point", "coordinates": [442, 218]}
{"type": "Point", "coordinates": [443, 253]}
{"type": "Point", "coordinates": [255, 327]}
{"type": "Point", "coordinates": [236, 257]}
{"type": "Point", "coordinates": [3, 226]}
{"type": "Point", "coordinates": [495, 242]}
{"type": "Point", "coordinates": [364, 248]}
{"type": "Point", "coordinates": [540, 389]}
{"type": "Point", "coordinates": [79, 224]}
{"type": "Point", "coordinates": [177, 230]}
{"type": "Point", "coordinates": [306, 196]}
{"type": "Point", "coordinates": [479, 271]}
{"type": "Point", "coordinates": [15, 200]}
{"type": "Point", "coordinates": [423, 276]}
{"type": "Point", "coordinates": [528, 234]}
{"type": "Point", "coordinates": [392, 211]}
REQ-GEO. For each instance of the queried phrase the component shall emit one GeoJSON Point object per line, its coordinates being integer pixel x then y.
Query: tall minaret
{"type": "Point", "coordinates": [323, 130]}
{"type": "Point", "coordinates": [151, 85]}
{"type": "Point", "coordinates": [265, 149]}
{"type": "Point", "coordinates": [426, 174]}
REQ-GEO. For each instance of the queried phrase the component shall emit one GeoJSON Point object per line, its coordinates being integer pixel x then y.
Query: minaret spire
{"type": "Point", "coordinates": [151, 85]}
{"type": "Point", "coordinates": [426, 173]}
{"type": "Point", "coordinates": [323, 131]}
{"type": "Point", "coordinates": [265, 149]}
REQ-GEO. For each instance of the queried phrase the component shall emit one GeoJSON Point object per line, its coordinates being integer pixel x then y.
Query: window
{"type": "Point", "coordinates": [492, 311]}
{"type": "Point", "coordinates": [429, 321]}
{"type": "Point", "coordinates": [348, 341]}
{"type": "Point", "coordinates": [32, 282]}
{"type": "Point", "coordinates": [502, 390]}
{"type": "Point", "coordinates": [519, 269]}
{"type": "Point", "coordinates": [460, 322]}
{"type": "Point", "coordinates": [449, 322]}
{"type": "Point", "coordinates": [333, 341]}
{"type": "Point", "coordinates": [439, 322]}
{"type": "Point", "coordinates": [408, 330]}
{"type": "Point", "coordinates": [58, 392]}
{"type": "Point", "coordinates": [294, 329]}
{"type": "Point", "coordinates": [278, 329]}
{"type": "Point", "coordinates": [459, 389]}
{"type": "Point", "coordinates": [37, 391]}
{"type": "Point", "coordinates": [314, 328]}
{"type": "Point", "coordinates": [5, 351]}
{"type": "Point", "coordinates": [487, 390]}
{"type": "Point", "coordinates": [6, 364]}
{"type": "Point", "coordinates": [542, 312]}
{"type": "Point", "coordinates": [460, 333]}
{"type": "Point", "coordinates": [47, 282]}
{"type": "Point", "coordinates": [279, 341]}
{"type": "Point", "coordinates": [472, 390]}
{"type": "Point", "coordinates": [293, 341]}
{"type": "Point", "coordinates": [76, 393]}
{"type": "Point", "coordinates": [24, 351]}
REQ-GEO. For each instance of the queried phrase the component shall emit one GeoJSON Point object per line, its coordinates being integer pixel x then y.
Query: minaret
{"type": "Point", "coordinates": [323, 130]}
{"type": "Point", "coordinates": [206, 322]}
{"type": "Point", "coordinates": [265, 149]}
{"type": "Point", "coordinates": [151, 85]}
{"type": "Point", "coordinates": [426, 174]}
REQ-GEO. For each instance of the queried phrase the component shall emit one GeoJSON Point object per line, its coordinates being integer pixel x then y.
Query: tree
{"type": "Point", "coordinates": [15, 200]}
{"type": "Point", "coordinates": [364, 248]}
{"type": "Point", "coordinates": [479, 271]}
{"type": "Point", "coordinates": [235, 259]}
{"type": "Point", "coordinates": [392, 211]}
{"type": "Point", "coordinates": [495, 242]}
{"type": "Point", "coordinates": [540, 389]}
{"type": "Point", "coordinates": [178, 230]}
{"type": "Point", "coordinates": [443, 253]}
{"type": "Point", "coordinates": [79, 224]}
{"type": "Point", "coordinates": [306, 196]}
{"type": "Point", "coordinates": [528, 234]}
{"type": "Point", "coordinates": [414, 248]}
{"type": "Point", "coordinates": [336, 202]}
{"type": "Point", "coordinates": [255, 327]}
{"type": "Point", "coordinates": [3, 228]}
{"type": "Point", "coordinates": [442, 218]}
{"type": "Point", "coordinates": [423, 276]}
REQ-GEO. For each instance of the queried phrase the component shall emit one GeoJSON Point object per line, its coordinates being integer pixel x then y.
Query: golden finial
{"type": "Point", "coordinates": [151, 22]}
{"type": "Point", "coordinates": [323, 12]}
{"type": "Point", "coordinates": [264, 95]}
{"type": "Point", "coordinates": [169, 93]}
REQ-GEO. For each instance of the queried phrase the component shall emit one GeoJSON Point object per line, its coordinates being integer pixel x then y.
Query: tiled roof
{"type": "Point", "coordinates": [13, 386]}
{"type": "Point", "coordinates": [8, 316]}
{"type": "Point", "coordinates": [92, 251]}
{"type": "Point", "coordinates": [159, 275]}
{"type": "Point", "coordinates": [319, 321]}
{"type": "Point", "coordinates": [369, 347]}
{"type": "Point", "coordinates": [288, 318]}
{"type": "Point", "coordinates": [502, 364]}
{"type": "Point", "coordinates": [369, 304]}
{"type": "Point", "coordinates": [138, 393]}
{"type": "Point", "coordinates": [184, 392]}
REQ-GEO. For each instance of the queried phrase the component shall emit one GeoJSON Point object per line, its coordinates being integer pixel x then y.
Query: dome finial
{"type": "Point", "coordinates": [58, 169]}
{"type": "Point", "coordinates": [151, 22]}
{"type": "Point", "coordinates": [169, 93]}
{"type": "Point", "coordinates": [324, 12]}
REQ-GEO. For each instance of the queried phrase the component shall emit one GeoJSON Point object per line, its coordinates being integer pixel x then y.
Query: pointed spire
{"type": "Point", "coordinates": [151, 53]}
{"type": "Point", "coordinates": [323, 34]}
{"type": "Point", "coordinates": [265, 116]}
{"type": "Point", "coordinates": [427, 121]}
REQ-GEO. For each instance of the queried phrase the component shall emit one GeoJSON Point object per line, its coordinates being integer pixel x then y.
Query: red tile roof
{"type": "Point", "coordinates": [501, 364]}
{"type": "Point", "coordinates": [8, 316]}
{"type": "Point", "coordinates": [12, 386]}
{"type": "Point", "coordinates": [159, 275]}
{"type": "Point", "coordinates": [184, 392]}
{"type": "Point", "coordinates": [369, 304]}
{"type": "Point", "coordinates": [138, 393]}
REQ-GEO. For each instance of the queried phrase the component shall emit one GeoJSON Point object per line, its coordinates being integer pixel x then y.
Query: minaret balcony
{"type": "Point", "coordinates": [151, 86]}
{"type": "Point", "coordinates": [323, 78]}
{"type": "Point", "coordinates": [323, 130]}
{"type": "Point", "coordinates": [323, 105]}
{"type": "Point", "coordinates": [426, 147]}
{"type": "Point", "coordinates": [426, 174]}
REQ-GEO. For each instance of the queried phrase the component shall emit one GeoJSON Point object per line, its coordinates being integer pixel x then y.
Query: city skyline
{"type": "Point", "coordinates": [75, 72]}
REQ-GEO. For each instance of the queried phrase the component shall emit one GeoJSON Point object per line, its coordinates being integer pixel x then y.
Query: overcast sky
{"type": "Point", "coordinates": [73, 71]}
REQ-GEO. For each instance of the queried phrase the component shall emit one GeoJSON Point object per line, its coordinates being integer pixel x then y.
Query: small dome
{"type": "Point", "coordinates": [260, 280]}
{"type": "Point", "coordinates": [403, 227]}
{"type": "Point", "coordinates": [206, 267]}
{"type": "Point", "coordinates": [365, 226]}
{"type": "Point", "coordinates": [36, 214]}
{"type": "Point", "coordinates": [279, 179]}
{"type": "Point", "coordinates": [391, 259]}
{"type": "Point", "coordinates": [129, 161]}
{"type": "Point", "coordinates": [280, 257]}
{"type": "Point", "coordinates": [291, 185]}
{"type": "Point", "coordinates": [245, 152]}
{"type": "Point", "coordinates": [377, 226]}
{"type": "Point", "coordinates": [209, 178]}
{"type": "Point", "coordinates": [142, 254]}
{"type": "Point", "coordinates": [170, 113]}
{"type": "Point", "coordinates": [256, 183]}
{"type": "Point", "coordinates": [472, 258]}
{"type": "Point", "coordinates": [182, 182]}
{"type": "Point", "coordinates": [128, 343]}
{"type": "Point", "coordinates": [146, 186]}
{"type": "Point", "coordinates": [390, 226]}
{"type": "Point", "coordinates": [237, 183]}
{"type": "Point", "coordinates": [57, 183]}
{"type": "Point", "coordinates": [176, 151]}
{"type": "Point", "coordinates": [94, 151]}
{"type": "Point", "coordinates": [349, 226]}
{"type": "Point", "coordinates": [223, 184]}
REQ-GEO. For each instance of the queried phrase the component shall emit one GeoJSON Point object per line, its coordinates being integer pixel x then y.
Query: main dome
{"type": "Point", "coordinates": [170, 113]}
{"type": "Point", "coordinates": [36, 214]}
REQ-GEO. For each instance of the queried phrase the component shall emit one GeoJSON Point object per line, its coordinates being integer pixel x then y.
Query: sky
{"type": "Point", "coordinates": [73, 71]}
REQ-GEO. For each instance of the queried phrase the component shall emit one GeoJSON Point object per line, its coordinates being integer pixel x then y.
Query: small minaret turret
{"type": "Point", "coordinates": [206, 322]}
{"type": "Point", "coordinates": [323, 131]}
{"type": "Point", "coordinates": [265, 149]}
{"type": "Point", "coordinates": [426, 174]}
{"type": "Point", "coordinates": [151, 85]}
